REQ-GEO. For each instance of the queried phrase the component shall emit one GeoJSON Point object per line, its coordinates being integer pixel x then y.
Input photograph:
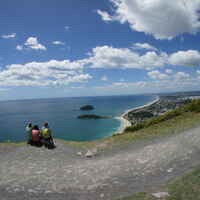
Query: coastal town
{"type": "Point", "coordinates": [160, 106]}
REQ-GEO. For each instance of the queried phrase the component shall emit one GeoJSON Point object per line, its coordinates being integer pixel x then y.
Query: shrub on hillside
{"type": "Point", "coordinates": [155, 120]}
{"type": "Point", "coordinates": [135, 127]}
{"type": "Point", "coordinates": [194, 106]}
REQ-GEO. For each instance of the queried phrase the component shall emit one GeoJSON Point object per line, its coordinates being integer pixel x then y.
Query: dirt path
{"type": "Point", "coordinates": [38, 173]}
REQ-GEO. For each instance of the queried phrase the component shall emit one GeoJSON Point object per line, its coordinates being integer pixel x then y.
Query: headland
{"type": "Point", "coordinates": [158, 107]}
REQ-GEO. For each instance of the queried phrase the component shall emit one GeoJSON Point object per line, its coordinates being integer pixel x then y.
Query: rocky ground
{"type": "Point", "coordinates": [37, 173]}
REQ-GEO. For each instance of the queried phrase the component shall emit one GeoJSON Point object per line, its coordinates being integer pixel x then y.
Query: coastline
{"type": "Point", "coordinates": [126, 123]}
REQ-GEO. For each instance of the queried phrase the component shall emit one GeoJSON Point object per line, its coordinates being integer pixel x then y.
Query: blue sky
{"type": "Point", "coordinates": [91, 47]}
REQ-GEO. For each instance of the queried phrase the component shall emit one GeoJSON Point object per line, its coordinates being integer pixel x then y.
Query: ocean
{"type": "Point", "coordinates": [61, 113]}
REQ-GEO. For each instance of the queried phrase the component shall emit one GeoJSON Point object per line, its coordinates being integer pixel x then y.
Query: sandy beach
{"type": "Point", "coordinates": [124, 122]}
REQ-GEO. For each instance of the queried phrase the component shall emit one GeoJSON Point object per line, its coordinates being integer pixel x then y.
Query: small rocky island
{"type": "Point", "coordinates": [92, 116]}
{"type": "Point", "coordinates": [87, 107]}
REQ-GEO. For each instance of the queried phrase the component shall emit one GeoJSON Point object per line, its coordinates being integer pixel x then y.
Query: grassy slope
{"type": "Point", "coordinates": [184, 188]}
{"type": "Point", "coordinates": [172, 122]}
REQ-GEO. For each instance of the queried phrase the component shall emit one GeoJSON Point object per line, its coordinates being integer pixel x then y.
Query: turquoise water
{"type": "Point", "coordinates": [62, 114]}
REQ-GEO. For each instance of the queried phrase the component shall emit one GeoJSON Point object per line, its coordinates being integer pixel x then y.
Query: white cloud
{"type": "Point", "coordinates": [185, 58]}
{"type": "Point", "coordinates": [181, 75]}
{"type": "Point", "coordinates": [169, 71]}
{"type": "Point", "coordinates": [104, 78]}
{"type": "Point", "coordinates": [198, 71]}
{"type": "Point", "coordinates": [58, 43]}
{"type": "Point", "coordinates": [52, 72]}
{"type": "Point", "coordinates": [144, 46]}
{"type": "Point", "coordinates": [155, 86]}
{"type": "Point", "coordinates": [32, 42]}
{"type": "Point", "coordinates": [79, 78]}
{"type": "Point", "coordinates": [157, 75]}
{"type": "Point", "coordinates": [104, 15]}
{"type": "Point", "coordinates": [56, 72]}
{"type": "Point", "coordinates": [109, 57]}
{"type": "Point", "coordinates": [9, 36]}
{"type": "Point", "coordinates": [120, 84]}
{"type": "Point", "coordinates": [19, 47]}
{"type": "Point", "coordinates": [67, 28]}
{"type": "Point", "coordinates": [162, 19]}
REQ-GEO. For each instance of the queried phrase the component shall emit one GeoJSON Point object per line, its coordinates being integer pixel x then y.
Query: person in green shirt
{"type": "Point", "coordinates": [29, 128]}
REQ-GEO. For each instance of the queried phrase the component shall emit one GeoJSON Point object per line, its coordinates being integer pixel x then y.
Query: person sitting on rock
{"type": "Point", "coordinates": [47, 136]}
{"type": "Point", "coordinates": [36, 136]}
{"type": "Point", "coordinates": [29, 128]}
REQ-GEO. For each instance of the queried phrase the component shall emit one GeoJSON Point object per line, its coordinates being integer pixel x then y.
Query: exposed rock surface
{"type": "Point", "coordinates": [79, 153]}
{"type": "Point", "coordinates": [161, 195]}
{"type": "Point", "coordinates": [89, 154]}
{"type": "Point", "coordinates": [31, 173]}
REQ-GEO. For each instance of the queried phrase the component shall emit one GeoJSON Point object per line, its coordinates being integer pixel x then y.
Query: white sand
{"type": "Point", "coordinates": [124, 122]}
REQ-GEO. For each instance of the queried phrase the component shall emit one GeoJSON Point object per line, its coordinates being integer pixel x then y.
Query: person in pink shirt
{"type": "Point", "coordinates": [36, 136]}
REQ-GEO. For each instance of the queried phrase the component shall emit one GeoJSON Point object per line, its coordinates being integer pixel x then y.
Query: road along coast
{"type": "Point", "coordinates": [125, 121]}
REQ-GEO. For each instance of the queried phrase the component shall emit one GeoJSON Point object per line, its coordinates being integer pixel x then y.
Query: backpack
{"type": "Point", "coordinates": [35, 135]}
{"type": "Point", "coordinates": [46, 133]}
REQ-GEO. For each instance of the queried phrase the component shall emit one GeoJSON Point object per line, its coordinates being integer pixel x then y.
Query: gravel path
{"type": "Point", "coordinates": [37, 173]}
